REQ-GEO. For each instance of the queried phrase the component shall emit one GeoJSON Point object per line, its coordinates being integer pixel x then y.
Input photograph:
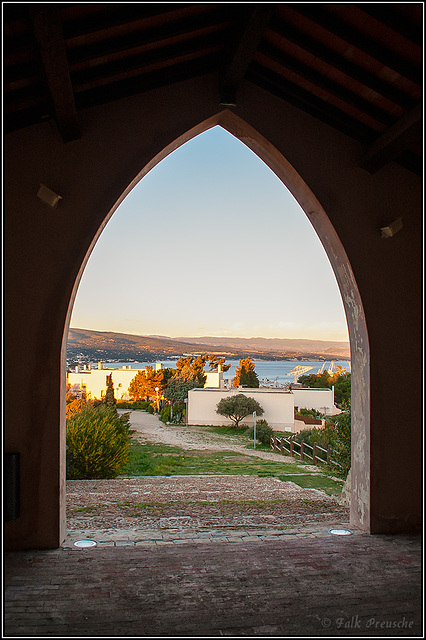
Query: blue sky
{"type": "Point", "coordinates": [210, 242]}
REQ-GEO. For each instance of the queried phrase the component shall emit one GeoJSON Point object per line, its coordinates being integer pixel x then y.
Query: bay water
{"type": "Point", "coordinates": [278, 372]}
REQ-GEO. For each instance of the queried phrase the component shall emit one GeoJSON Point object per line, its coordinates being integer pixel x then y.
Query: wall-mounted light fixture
{"type": "Point", "coordinates": [392, 228]}
{"type": "Point", "coordinates": [48, 196]}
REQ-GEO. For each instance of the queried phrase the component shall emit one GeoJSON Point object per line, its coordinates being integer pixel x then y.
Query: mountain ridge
{"type": "Point", "coordinates": [91, 345]}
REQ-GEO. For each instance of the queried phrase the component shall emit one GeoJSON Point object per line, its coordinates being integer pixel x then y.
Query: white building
{"type": "Point", "coordinates": [277, 404]}
{"type": "Point", "coordinates": [320, 399]}
{"type": "Point", "coordinates": [93, 382]}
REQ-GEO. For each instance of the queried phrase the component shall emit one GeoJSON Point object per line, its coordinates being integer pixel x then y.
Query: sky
{"type": "Point", "coordinates": [210, 243]}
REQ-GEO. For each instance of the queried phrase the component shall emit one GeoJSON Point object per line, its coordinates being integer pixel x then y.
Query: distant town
{"type": "Point", "coordinates": [85, 345]}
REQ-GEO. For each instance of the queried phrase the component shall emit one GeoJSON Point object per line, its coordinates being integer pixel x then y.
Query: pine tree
{"type": "Point", "coordinates": [245, 374]}
{"type": "Point", "coordinates": [109, 399]}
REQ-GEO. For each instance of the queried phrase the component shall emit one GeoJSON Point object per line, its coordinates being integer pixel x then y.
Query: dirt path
{"type": "Point", "coordinates": [148, 427]}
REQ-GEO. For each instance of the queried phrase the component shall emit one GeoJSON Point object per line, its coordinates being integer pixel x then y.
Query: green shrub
{"type": "Point", "coordinates": [165, 414]}
{"type": "Point", "coordinates": [336, 435]}
{"type": "Point", "coordinates": [137, 404]}
{"type": "Point", "coordinates": [177, 416]}
{"type": "Point", "coordinates": [124, 405]}
{"type": "Point", "coordinates": [145, 406]}
{"type": "Point", "coordinates": [264, 432]}
{"type": "Point", "coordinates": [97, 443]}
{"type": "Point", "coordinates": [311, 436]}
{"type": "Point", "coordinates": [309, 412]}
{"type": "Point", "coordinates": [340, 427]}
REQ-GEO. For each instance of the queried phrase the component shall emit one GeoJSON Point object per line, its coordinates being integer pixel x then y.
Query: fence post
{"type": "Point", "coordinates": [292, 447]}
{"type": "Point", "coordinates": [276, 444]}
{"type": "Point", "coordinates": [314, 453]}
{"type": "Point", "coordinates": [302, 448]}
{"type": "Point", "coordinates": [271, 443]}
{"type": "Point", "coordinates": [282, 447]}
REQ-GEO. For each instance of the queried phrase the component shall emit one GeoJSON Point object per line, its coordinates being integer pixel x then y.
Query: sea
{"type": "Point", "coordinates": [270, 372]}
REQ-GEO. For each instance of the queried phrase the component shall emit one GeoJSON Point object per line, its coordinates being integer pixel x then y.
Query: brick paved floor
{"type": "Point", "coordinates": [357, 585]}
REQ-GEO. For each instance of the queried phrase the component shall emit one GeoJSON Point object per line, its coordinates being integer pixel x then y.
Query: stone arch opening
{"type": "Point", "coordinates": [342, 270]}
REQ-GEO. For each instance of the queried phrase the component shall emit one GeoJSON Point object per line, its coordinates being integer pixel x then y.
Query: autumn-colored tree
{"type": "Point", "coordinates": [72, 394]}
{"type": "Point", "coordinates": [214, 362]}
{"type": "Point", "coordinates": [245, 374]}
{"type": "Point", "coordinates": [144, 383]}
{"type": "Point", "coordinates": [75, 406]}
{"type": "Point", "coordinates": [190, 368]}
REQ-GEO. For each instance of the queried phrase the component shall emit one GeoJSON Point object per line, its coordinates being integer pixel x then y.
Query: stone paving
{"type": "Point", "coordinates": [262, 583]}
{"type": "Point", "coordinates": [169, 536]}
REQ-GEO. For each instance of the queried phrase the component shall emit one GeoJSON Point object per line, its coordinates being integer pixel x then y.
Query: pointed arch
{"type": "Point", "coordinates": [360, 359]}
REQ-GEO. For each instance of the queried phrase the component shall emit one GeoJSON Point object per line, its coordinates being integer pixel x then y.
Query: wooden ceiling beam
{"type": "Point", "coordinates": [398, 138]}
{"type": "Point", "coordinates": [48, 34]}
{"type": "Point", "coordinates": [243, 52]}
{"type": "Point", "coordinates": [304, 40]}
{"type": "Point", "coordinates": [353, 36]}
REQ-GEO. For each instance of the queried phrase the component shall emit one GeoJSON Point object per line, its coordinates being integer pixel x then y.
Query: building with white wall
{"type": "Point", "coordinates": [320, 399]}
{"type": "Point", "coordinates": [277, 405]}
{"type": "Point", "coordinates": [93, 382]}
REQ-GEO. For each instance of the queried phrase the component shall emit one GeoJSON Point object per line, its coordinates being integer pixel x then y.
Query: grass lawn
{"type": "Point", "coordinates": [161, 460]}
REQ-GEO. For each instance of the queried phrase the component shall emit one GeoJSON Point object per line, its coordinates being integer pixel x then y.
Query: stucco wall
{"type": "Point", "coordinates": [95, 382]}
{"type": "Point", "coordinates": [320, 399]}
{"type": "Point", "coordinates": [277, 406]}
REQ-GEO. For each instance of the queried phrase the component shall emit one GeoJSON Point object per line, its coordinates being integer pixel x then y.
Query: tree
{"type": "Point", "coordinates": [214, 362]}
{"type": "Point", "coordinates": [238, 407]}
{"type": "Point", "coordinates": [342, 390]}
{"type": "Point", "coordinates": [316, 380]}
{"type": "Point", "coordinates": [177, 391]}
{"type": "Point", "coordinates": [245, 374]}
{"type": "Point", "coordinates": [75, 406]}
{"type": "Point", "coordinates": [144, 383]}
{"type": "Point", "coordinates": [109, 398]}
{"type": "Point", "coordinates": [190, 368]}
{"type": "Point", "coordinates": [341, 380]}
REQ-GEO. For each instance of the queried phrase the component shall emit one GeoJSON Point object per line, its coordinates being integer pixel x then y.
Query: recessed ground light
{"type": "Point", "coordinates": [341, 532]}
{"type": "Point", "coordinates": [85, 543]}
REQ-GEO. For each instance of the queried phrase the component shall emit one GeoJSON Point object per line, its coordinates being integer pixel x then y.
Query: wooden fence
{"type": "Point", "coordinates": [317, 454]}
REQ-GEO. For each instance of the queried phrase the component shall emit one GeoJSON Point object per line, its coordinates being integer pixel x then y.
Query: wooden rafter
{"type": "Point", "coordinates": [397, 139]}
{"type": "Point", "coordinates": [244, 50]}
{"type": "Point", "coordinates": [48, 34]}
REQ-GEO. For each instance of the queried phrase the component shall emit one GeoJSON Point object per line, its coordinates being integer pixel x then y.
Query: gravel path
{"type": "Point", "coordinates": [148, 427]}
{"type": "Point", "coordinates": [129, 506]}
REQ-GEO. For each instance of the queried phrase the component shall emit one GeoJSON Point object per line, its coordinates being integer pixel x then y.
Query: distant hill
{"type": "Point", "coordinates": [283, 345]}
{"type": "Point", "coordinates": [85, 345]}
